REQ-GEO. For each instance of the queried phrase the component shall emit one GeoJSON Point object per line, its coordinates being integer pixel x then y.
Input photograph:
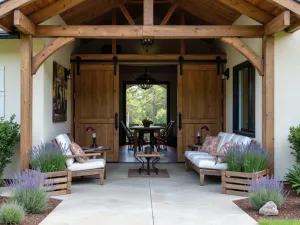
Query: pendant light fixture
{"type": "Point", "coordinates": [147, 44]}
{"type": "Point", "coordinates": [145, 81]}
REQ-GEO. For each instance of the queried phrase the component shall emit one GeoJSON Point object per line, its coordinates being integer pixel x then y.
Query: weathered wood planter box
{"type": "Point", "coordinates": [237, 183]}
{"type": "Point", "coordinates": [61, 182]}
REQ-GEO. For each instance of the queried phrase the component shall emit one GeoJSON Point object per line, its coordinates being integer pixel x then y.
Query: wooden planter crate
{"type": "Point", "coordinates": [61, 182]}
{"type": "Point", "coordinates": [237, 183]}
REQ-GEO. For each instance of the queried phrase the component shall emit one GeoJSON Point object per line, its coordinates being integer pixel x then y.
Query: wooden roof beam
{"type": "Point", "coordinates": [127, 14]}
{"type": "Point", "coordinates": [7, 23]}
{"type": "Point", "coordinates": [148, 12]}
{"type": "Point", "coordinates": [23, 23]}
{"type": "Point", "coordinates": [293, 27]}
{"type": "Point", "coordinates": [9, 6]}
{"type": "Point", "coordinates": [240, 46]}
{"type": "Point", "coordinates": [169, 13]}
{"type": "Point", "coordinates": [53, 10]}
{"type": "Point", "coordinates": [155, 31]}
{"type": "Point", "coordinates": [291, 5]}
{"type": "Point", "coordinates": [279, 23]}
{"type": "Point", "coordinates": [249, 10]}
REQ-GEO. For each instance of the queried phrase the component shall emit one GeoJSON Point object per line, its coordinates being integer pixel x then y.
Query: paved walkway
{"type": "Point", "coordinates": [127, 201]}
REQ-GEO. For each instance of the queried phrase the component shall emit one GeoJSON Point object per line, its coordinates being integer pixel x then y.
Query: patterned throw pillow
{"type": "Point", "coordinates": [76, 150]}
{"type": "Point", "coordinates": [210, 144]}
{"type": "Point", "coordinates": [223, 150]}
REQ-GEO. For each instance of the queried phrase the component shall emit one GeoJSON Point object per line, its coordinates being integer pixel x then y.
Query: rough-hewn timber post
{"type": "Point", "coordinates": [268, 99]}
{"type": "Point", "coordinates": [26, 99]}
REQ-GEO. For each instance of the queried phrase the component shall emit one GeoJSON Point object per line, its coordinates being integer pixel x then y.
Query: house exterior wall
{"type": "Point", "coordinates": [286, 91]}
{"type": "Point", "coordinates": [43, 129]}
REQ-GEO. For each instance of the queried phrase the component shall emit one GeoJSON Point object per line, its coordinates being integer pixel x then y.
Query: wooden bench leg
{"type": "Point", "coordinates": [102, 178]}
{"type": "Point", "coordinates": [187, 166]}
{"type": "Point", "coordinates": [202, 175]}
{"type": "Point", "coordinates": [105, 172]}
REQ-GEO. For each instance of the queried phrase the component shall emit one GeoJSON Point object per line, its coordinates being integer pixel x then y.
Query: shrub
{"type": "Point", "coordinates": [11, 213]}
{"type": "Point", "coordinates": [9, 136]}
{"type": "Point", "coordinates": [266, 189]}
{"type": "Point", "coordinates": [294, 139]}
{"type": "Point", "coordinates": [279, 222]}
{"type": "Point", "coordinates": [293, 178]}
{"type": "Point", "coordinates": [48, 158]}
{"type": "Point", "coordinates": [28, 189]}
{"type": "Point", "coordinates": [246, 158]}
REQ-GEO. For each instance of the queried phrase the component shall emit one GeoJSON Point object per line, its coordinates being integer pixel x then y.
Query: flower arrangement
{"type": "Point", "coordinates": [147, 122]}
{"type": "Point", "coordinates": [266, 189]}
{"type": "Point", "coordinates": [48, 158]}
{"type": "Point", "coordinates": [28, 189]}
{"type": "Point", "coordinates": [246, 158]}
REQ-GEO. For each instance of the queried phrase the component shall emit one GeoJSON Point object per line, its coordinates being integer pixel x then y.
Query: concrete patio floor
{"type": "Point", "coordinates": [141, 201]}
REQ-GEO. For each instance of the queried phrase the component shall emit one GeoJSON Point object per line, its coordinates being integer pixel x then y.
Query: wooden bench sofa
{"type": "Point", "coordinates": [205, 163]}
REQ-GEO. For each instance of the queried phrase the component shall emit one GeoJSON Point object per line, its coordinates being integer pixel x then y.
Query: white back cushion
{"type": "Point", "coordinates": [225, 138]}
{"type": "Point", "coordinates": [64, 140]}
{"type": "Point", "coordinates": [239, 139]}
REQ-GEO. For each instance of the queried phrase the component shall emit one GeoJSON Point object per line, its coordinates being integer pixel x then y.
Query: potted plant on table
{"type": "Point", "coordinates": [147, 122]}
{"type": "Point", "coordinates": [244, 163]}
{"type": "Point", "coordinates": [50, 160]}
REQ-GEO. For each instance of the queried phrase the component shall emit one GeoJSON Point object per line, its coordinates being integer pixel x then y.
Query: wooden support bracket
{"type": "Point", "coordinates": [45, 53]}
{"type": "Point", "coordinates": [255, 59]}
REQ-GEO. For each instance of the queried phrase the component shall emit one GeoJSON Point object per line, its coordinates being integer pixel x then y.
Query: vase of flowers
{"type": "Point", "coordinates": [50, 160]}
{"type": "Point", "coordinates": [147, 122]}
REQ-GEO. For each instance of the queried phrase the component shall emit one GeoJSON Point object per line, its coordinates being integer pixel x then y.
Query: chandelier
{"type": "Point", "coordinates": [147, 44]}
{"type": "Point", "coordinates": [145, 81]}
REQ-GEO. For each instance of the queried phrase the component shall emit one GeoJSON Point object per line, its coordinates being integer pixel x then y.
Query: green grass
{"type": "Point", "coordinates": [279, 222]}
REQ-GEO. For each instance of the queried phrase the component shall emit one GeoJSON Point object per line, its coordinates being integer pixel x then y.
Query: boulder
{"type": "Point", "coordinates": [269, 209]}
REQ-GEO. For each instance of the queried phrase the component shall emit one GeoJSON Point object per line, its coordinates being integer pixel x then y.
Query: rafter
{"type": "Point", "coordinates": [279, 23]}
{"type": "Point", "coordinates": [23, 23]}
{"type": "Point", "coordinates": [293, 27]}
{"type": "Point", "coordinates": [291, 5]}
{"type": "Point", "coordinates": [255, 59]}
{"type": "Point", "coordinates": [249, 10]}
{"type": "Point", "coordinates": [156, 31]}
{"type": "Point", "coordinates": [53, 10]}
{"type": "Point", "coordinates": [126, 14]}
{"type": "Point", "coordinates": [7, 23]}
{"type": "Point", "coordinates": [9, 6]}
{"type": "Point", "coordinates": [148, 12]}
{"type": "Point", "coordinates": [45, 53]}
{"type": "Point", "coordinates": [169, 13]}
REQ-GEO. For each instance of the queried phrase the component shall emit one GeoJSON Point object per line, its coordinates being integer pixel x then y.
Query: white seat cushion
{"type": "Point", "coordinates": [88, 165]}
{"type": "Point", "coordinates": [195, 157]}
{"type": "Point", "coordinates": [189, 153]}
{"type": "Point", "coordinates": [226, 137]}
{"type": "Point", "coordinates": [239, 139]}
{"type": "Point", "coordinates": [210, 164]}
{"type": "Point", "coordinates": [65, 142]}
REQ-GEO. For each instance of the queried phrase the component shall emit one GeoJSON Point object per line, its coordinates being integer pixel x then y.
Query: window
{"type": "Point", "coordinates": [2, 112]}
{"type": "Point", "coordinates": [244, 99]}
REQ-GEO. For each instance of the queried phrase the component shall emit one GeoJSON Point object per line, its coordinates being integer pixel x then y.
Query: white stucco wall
{"type": "Point", "coordinates": [43, 129]}
{"type": "Point", "coordinates": [287, 96]}
{"type": "Point", "coordinates": [234, 58]}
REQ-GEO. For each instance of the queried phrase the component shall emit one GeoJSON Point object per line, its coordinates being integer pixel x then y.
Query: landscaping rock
{"type": "Point", "coordinates": [269, 209]}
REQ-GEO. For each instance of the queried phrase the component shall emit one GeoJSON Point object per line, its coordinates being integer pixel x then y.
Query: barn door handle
{"type": "Point", "coordinates": [179, 121]}
{"type": "Point", "coordinates": [116, 121]}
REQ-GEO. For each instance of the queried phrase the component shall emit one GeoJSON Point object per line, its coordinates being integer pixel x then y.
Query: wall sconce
{"type": "Point", "coordinates": [67, 75]}
{"type": "Point", "coordinates": [225, 74]}
{"type": "Point", "coordinates": [147, 44]}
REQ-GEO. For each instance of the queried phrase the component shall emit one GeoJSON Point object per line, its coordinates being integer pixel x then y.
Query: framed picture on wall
{"type": "Point", "coordinates": [60, 87]}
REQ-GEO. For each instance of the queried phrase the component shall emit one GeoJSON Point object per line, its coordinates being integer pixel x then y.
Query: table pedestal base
{"type": "Point", "coordinates": [148, 159]}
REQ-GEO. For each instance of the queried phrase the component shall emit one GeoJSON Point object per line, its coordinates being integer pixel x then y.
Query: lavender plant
{"type": "Point", "coordinates": [266, 189]}
{"type": "Point", "coordinates": [29, 190]}
{"type": "Point", "coordinates": [11, 213]}
{"type": "Point", "coordinates": [246, 158]}
{"type": "Point", "coordinates": [48, 157]}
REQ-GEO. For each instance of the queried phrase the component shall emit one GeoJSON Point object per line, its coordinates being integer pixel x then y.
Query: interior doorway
{"type": "Point", "coordinates": [156, 103]}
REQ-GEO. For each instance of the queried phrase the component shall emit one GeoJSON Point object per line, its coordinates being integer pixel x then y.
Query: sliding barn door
{"type": "Point", "coordinates": [97, 105]}
{"type": "Point", "coordinates": [199, 104]}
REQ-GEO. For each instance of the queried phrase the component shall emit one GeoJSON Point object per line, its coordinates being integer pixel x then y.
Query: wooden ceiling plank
{"type": "Point", "coordinates": [169, 13]}
{"type": "Point", "coordinates": [148, 12]}
{"type": "Point", "coordinates": [240, 46]}
{"type": "Point", "coordinates": [23, 23]}
{"type": "Point", "coordinates": [249, 10]}
{"type": "Point", "coordinates": [155, 31]}
{"type": "Point", "coordinates": [279, 23]}
{"type": "Point", "coordinates": [9, 6]}
{"type": "Point", "coordinates": [127, 14]}
{"type": "Point", "coordinates": [7, 23]}
{"type": "Point", "coordinates": [53, 10]}
{"type": "Point", "coordinates": [291, 5]}
{"type": "Point", "coordinates": [293, 27]}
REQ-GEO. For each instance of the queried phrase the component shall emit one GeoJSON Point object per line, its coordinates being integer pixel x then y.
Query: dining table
{"type": "Point", "coordinates": [150, 129]}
